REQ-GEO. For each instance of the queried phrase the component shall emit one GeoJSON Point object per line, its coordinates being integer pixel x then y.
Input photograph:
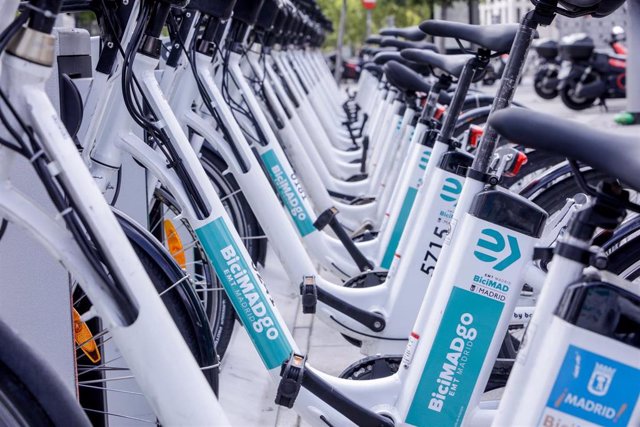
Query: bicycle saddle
{"type": "Point", "coordinates": [497, 38]}
{"type": "Point", "coordinates": [596, 8]}
{"type": "Point", "coordinates": [403, 44]}
{"type": "Point", "coordinates": [373, 40]}
{"type": "Point", "coordinates": [384, 57]}
{"type": "Point", "coordinates": [612, 153]}
{"type": "Point", "coordinates": [247, 10]}
{"type": "Point", "coordinates": [268, 13]}
{"type": "Point", "coordinates": [404, 78]}
{"type": "Point", "coordinates": [217, 8]}
{"type": "Point", "coordinates": [408, 33]}
{"type": "Point", "coordinates": [374, 69]}
{"type": "Point", "coordinates": [376, 50]}
{"type": "Point", "coordinates": [450, 64]}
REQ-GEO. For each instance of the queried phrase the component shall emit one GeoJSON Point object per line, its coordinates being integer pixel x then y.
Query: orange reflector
{"type": "Point", "coordinates": [439, 112]}
{"type": "Point", "coordinates": [174, 244]}
{"type": "Point", "coordinates": [84, 336]}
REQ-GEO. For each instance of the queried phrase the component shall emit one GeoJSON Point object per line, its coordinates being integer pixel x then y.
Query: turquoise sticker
{"type": "Point", "coordinates": [424, 159]}
{"type": "Point", "coordinates": [452, 369]}
{"type": "Point", "coordinates": [252, 305]}
{"type": "Point", "coordinates": [288, 192]}
{"type": "Point", "coordinates": [451, 189]}
{"type": "Point", "coordinates": [592, 388]}
{"type": "Point", "coordinates": [495, 242]}
{"type": "Point", "coordinates": [398, 229]}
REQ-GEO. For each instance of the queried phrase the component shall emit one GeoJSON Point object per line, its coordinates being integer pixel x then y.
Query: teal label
{"type": "Point", "coordinates": [451, 189]}
{"type": "Point", "coordinates": [424, 159]}
{"type": "Point", "coordinates": [396, 234]}
{"type": "Point", "coordinates": [456, 358]}
{"type": "Point", "coordinates": [494, 247]}
{"type": "Point", "coordinates": [591, 389]}
{"type": "Point", "coordinates": [289, 191]}
{"type": "Point", "coordinates": [249, 298]}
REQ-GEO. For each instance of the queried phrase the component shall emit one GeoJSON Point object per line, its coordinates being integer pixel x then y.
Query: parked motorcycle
{"type": "Point", "coordinates": [493, 71]}
{"type": "Point", "coordinates": [587, 74]}
{"type": "Point", "coordinates": [545, 81]}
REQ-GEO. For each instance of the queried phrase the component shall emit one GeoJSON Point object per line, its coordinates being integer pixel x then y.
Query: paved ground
{"type": "Point", "coordinates": [246, 391]}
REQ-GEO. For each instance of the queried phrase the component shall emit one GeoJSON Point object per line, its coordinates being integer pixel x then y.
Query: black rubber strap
{"type": "Point", "coordinates": [325, 218]}
{"type": "Point", "coordinates": [574, 253]}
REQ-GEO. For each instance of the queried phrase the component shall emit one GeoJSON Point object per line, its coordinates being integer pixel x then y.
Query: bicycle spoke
{"type": "Point", "coordinates": [98, 367]}
{"type": "Point", "coordinates": [174, 285]}
{"type": "Point", "coordinates": [112, 389]}
{"type": "Point", "coordinates": [93, 338]}
{"type": "Point", "coordinates": [121, 416]}
{"type": "Point", "coordinates": [222, 199]}
{"type": "Point", "coordinates": [126, 377]}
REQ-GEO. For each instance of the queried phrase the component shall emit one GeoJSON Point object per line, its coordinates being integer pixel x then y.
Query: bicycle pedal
{"type": "Point", "coordinates": [309, 293]}
{"type": "Point", "coordinates": [292, 373]}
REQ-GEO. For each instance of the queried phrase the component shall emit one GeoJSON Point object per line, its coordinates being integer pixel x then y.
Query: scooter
{"type": "Point", "coordinates": [545, 81]}
{"type": "Point", "coordinates": [589, 74]}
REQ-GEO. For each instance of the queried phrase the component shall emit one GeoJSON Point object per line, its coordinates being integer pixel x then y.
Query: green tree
{"type": "Point", "coordinates": [404, 12]}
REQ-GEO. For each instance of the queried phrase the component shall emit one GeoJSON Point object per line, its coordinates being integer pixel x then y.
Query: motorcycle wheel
{"type": "Point", "coordinates": [567, 94]}
{"type": "Point", "coordinates": [543, 92]}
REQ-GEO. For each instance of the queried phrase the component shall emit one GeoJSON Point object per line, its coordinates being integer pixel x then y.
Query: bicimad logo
{"type": "Point", "coordinates": [600, 380]}
{"type": "Point", "coordinates": [450, 190]}
{"type": "Point", "coordinates": [494, 242]}
{"type": "Point", "coordinates": [424, 159]}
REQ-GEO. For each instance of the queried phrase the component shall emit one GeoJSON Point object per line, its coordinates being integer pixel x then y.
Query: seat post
{"type": "Point", "coordinates": [474, 65]}
{"type": "Point", "coordinates": [543, 14]}
{"type": "Point", "coordinates": [432, 98]}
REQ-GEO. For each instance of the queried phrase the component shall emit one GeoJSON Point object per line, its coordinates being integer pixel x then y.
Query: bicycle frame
{"type": "Point", "coordinates": [142, 328]}
{"type": "Point", "coordinates": [394, 395]}
{"type": "Point", "coordinates": [580, 351]}
{"type": "Point", "coordinates": [396, 302]}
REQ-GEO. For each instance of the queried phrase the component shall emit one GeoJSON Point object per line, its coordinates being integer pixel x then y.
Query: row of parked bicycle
{"type": "Point", "coordinates": [580, 73]}
{"type": "Point", "coordinates": [427, 223]}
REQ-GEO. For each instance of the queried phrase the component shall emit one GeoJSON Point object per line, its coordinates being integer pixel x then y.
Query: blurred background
{"type": "Point", "coordinates": [365, 17]}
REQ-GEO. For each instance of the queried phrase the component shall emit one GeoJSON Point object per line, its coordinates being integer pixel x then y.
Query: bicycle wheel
{"type": "Point", "coordinates": [236, 204]}
{"type": "Point", "coordinates": [538, 162]}
{"type": "Point", "coordinates": [31, 393]}
{"type": "Point", "coordinates": [108, 392]}
{"type": "Point", "coordinates": [182, 243]}
{"type": "Point", "coordinates": [625, 260]}
{"type": "Point", "coordinates": [553, 197]}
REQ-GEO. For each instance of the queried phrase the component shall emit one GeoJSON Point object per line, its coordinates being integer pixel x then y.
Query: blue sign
{"type": "Point", "coordinates": [595, 388]}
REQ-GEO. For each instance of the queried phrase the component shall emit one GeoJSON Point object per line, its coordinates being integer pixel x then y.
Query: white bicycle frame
{"type": "Point", "coordinates": [528, 395]}
{"type": "Point", "coordinates": [248, 294]}
{"type": "Point", "coordinates": [402, 300]}
{"type": "Point", "coordinates": [382, 158]}
{"type": "Point", "coordinates": [289, 137]}
{"type": "Point", "coordinates": [397, 302]}
{"type": "Point", "coordinates": [244, 286]}
{"type": "Point", "coordinates": [148, 339]}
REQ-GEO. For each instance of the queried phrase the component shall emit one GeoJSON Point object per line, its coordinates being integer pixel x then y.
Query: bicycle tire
{"type": "Point", "coordinates": [31, 392]}
{"type": "Point", "coordinates": [235, 203]}
{"type": "Point", "coordinates": [220, 313]}
{"type": "Point", "coordinates": [625, 259]}
{"type": "Point", "coordinates": [180, 301]}
{"type": "Point", "coordinates": [553, 197]}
